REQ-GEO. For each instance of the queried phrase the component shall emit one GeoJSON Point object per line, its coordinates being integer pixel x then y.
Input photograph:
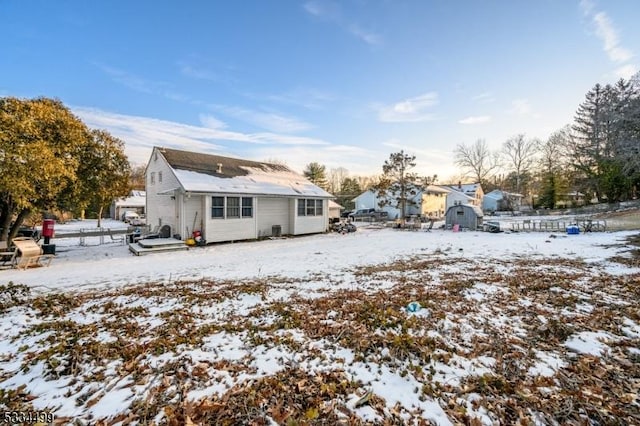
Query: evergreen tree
{"type": "Point", "coordinates": [398, 185]}
{"type": "Point", "coordinates": [603, 137]}
{"type": "Point", "coordinates": [317, 174]}
{"type": "Point", "coordinates": [349, 189]}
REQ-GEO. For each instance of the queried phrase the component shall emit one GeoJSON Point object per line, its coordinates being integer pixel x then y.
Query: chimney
{"type": "Point", "coordinates": [219, 168]}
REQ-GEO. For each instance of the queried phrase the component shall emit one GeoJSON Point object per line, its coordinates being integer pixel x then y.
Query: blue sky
{"type": "Point", "coordinates": [343, 83]}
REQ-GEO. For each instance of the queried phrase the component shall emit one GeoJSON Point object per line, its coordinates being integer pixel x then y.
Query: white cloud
{"type": "Point", "coordinates": [475, 119]}
{"type": "Point", "coordinates": [267, 120]}
{"type": "Point", "coordinates": [320, 9]}
{"type": "Point", "coordinates": [211, 122]}
{"type": "Point", "coordinates": [308, 98]}
{"type": "Point", "coordinates": [520, 107]}
{"type": "Point", "coordinates": [368, 37]}
{"type": "Point", "coordinates": [587, 7]}
{"type": "Point", "coordinates": [142, 85]}
{"type": "Point", "coordinates": [332, 12]}
{"type": "Point", "coordinates": [609, 35]}
{"type": "Point", "coordinates": [485, 98]}
{"type": "Point", "coordinates": [409, 110]}
{"type": "Point", "coordinates": [140, 134]}
{"type": "Point", "coordinates": [197, 73]}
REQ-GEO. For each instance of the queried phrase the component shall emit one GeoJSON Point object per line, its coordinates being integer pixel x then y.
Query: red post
{"type": "Point", "coordinates": [47, 229]}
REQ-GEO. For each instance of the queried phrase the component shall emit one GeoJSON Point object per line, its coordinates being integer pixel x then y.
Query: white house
{"type": "Point", "coordinates": [370, 200]}
{"type": "Point", "coordinates": [472, 190]}
{"type": "Point", "coordinates": [434, 200]}
{"type": "Point", "coordinates": [135, 202]}
{"type": "Point", "coordinates": [498, 200]}
{"type": "Point", "coordinates": [229, 199]}
{"type": "Point", "coordinates": [334, 210]}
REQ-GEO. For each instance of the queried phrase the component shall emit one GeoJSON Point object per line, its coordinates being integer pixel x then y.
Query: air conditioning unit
{"type": "Point", "coordinates": [276, 231]}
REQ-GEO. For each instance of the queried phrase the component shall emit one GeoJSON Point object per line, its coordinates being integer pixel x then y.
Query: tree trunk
{"type": "Point", "coordinates": [24, 213]}
{"type": "Point", "coordinates": [5, 220]}
{"type": "Point", "coordinates": [99, 216]}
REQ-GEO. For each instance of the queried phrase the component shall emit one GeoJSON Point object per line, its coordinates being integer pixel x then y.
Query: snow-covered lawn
{"type": "Point", "coordinates": [510, 327]}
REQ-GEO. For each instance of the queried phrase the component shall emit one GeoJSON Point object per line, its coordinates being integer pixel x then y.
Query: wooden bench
{"type": "Point", "coordinates": [30, 253]}
{"type": "Point", "coordinates": [7, 257]}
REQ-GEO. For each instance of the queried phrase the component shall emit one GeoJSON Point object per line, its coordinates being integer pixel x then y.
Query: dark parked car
{"type": "Point", "coordinates": [345, 214]}
{"type": "Point", "coordinates": [27, 231]}
{"type": "Point", "coordinates": [369, 214]}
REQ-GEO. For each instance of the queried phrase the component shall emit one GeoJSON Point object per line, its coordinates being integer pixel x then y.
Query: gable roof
{"type": "Point", "coordinates": [477, 210]}
{"type": "Point", "coordinates": [216, 165]}
{"type": "Point", "coordinates": [135, 199]}
{"type": "Point", "coordinates": [498, 194]}
{"type": "Point", "coordinates": [466, 188]}
{"type": "Point", "coordinates": [199, 172]}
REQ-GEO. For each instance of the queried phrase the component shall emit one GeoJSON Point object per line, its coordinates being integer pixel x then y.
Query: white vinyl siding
{"type": "Point", "coordinates": [162, 208]}
{"type": "Point", "coordinates": [312, 224]}
{"type": "Point", "coordinates": [270, 212]}
{"type": "Point", "coordinates": [228, 229]}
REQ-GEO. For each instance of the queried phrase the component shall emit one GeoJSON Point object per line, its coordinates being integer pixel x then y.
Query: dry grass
{"type": "Point", "coordinates": [475, 349]}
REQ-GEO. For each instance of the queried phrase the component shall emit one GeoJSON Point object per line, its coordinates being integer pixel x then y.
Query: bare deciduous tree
{"type": "Point", "coordinates": [477, 161]}
{"type": "Point", "coordinates": [336, 177]}
{"type": "Point", "coordinates": [520, 156]}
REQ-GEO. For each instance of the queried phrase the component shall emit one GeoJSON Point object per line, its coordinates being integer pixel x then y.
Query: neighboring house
{"type": "Point", "coordinates": [570, 199]}
{"type": "Point", "coordinates": [334, 210]}
{"type": "Point", "coordinates": [229, 199]}
{"type": "Point", "coordinates": [472, 190]}
{"type": "Point", "coordinates": [135, 202]}
{"type": "Point", "coordinates": [465, 216]}
{"type": "Point", "coordinates": [370, 200]}
{"type": "Point", "coordinates": [434, 201]}
{"type": "Point", "coordinates": [498, 200]}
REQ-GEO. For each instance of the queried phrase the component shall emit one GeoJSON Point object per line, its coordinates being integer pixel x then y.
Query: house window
{"type": "Point", "coordinates": [233, 207]}
{"type": "Point", "coordinates": [309, 207]}
{"type": "Point", "coordinates": [217, 207]}
{"type": "Point", "coordinates": [152, 178]}
{"type": "Point", "coordinates": [159, 177]}
{"type": "Point", "coordinates": [247, 207]}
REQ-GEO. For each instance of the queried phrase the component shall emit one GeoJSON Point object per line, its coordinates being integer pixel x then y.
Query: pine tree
{"type": "Point", "coordinates": [317, 174]}
{"type": "Point", "coordinates": [601, 140]}
{"type": "Point", "coordinates": [398, 185]}
{"type": "Point", "coordinates": [349, 189]}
